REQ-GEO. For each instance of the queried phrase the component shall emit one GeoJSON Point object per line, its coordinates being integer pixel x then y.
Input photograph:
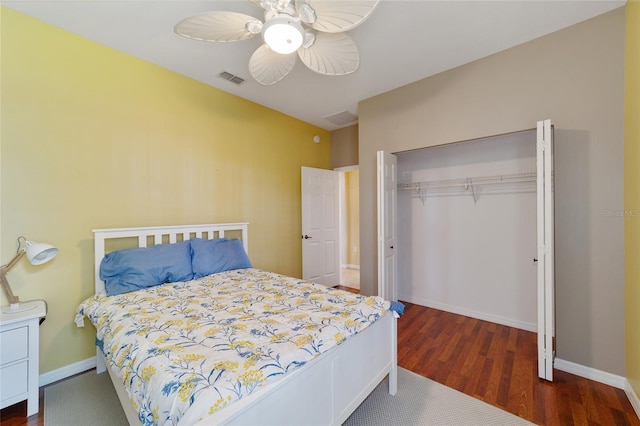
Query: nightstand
{"type": "Point", "coordinates": [19, 351]}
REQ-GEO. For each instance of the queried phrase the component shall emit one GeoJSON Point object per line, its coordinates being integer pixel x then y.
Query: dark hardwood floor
{"type": "Point", "coordinates": [491, 362]}
{"type": "Point", "coordinates": [16, 415]}
{"type": "Point", "coordinates": [498, 364]}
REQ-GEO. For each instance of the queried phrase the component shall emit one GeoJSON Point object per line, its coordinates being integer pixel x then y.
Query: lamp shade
{"type": "Point", "coordinates": [39, 253]}
{"type": "Point", "coordinates": [283, 34]}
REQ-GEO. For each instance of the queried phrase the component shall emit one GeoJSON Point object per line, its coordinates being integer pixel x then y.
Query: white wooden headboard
{"type": "Point", "coordinates": [161, 233]}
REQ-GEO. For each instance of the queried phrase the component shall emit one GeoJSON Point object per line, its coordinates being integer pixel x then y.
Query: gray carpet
{"type": "Point", "coordinates": [90, 400]}
{"type": "Point", "coordinates": [421, 402]}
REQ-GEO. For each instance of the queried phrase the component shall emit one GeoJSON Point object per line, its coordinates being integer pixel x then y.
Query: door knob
{"type": "Point", "coordinates": [306, 237]}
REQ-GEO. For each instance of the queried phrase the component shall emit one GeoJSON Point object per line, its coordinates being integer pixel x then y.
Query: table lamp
{"type": "Point", "coordinates": [37, 253]}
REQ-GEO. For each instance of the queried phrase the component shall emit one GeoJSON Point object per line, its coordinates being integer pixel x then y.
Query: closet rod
{"type": "Point", "coordinates": [466, 182]}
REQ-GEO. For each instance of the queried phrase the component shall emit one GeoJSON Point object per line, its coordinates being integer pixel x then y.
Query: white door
{"type": "Point", "coordinates": [387, 224]}
{"type": "Point", "coordinates": [546, 285]}
{"type": "Point", "coordinates": [320, 226]}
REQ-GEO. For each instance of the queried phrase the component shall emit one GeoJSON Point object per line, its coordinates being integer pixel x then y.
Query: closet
{"type": "Point", "coordinates": [467, 228]}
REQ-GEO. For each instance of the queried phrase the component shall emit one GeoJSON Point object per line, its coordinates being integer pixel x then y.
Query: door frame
{"type": "Point", "coordinates": [344, 227]}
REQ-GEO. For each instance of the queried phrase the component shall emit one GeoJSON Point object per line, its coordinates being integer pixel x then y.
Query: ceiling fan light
{"type": "Point", "coordinates": [283, 34]}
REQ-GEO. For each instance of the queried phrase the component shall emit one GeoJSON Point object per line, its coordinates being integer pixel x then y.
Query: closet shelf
{"type": "Point", "coordinates": [471, 184]}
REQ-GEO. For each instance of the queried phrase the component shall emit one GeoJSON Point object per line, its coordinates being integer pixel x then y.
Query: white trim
{"type": "Point", "coordinates": [344, 226]}
{"type": "Point", "coordinates": [350, 266]}
{"type": "Point", "coordinates": [343, 231]}
{"type": "Point", "coordinates": [633, 397]}
{"type": "Point", "coordinates": [66, 371]}
{"type": "Point", "coordinates": [471, 313]}
{"type": "Point", "coordinates": [590, 373]}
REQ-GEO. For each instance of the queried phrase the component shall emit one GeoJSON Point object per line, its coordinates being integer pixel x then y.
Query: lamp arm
{"type": "Point", "coordinates": [5, 286]}
{"type": "Point", "coordinates": [3, 277]}
{"type": "Point", "coordinates": [9, 265]}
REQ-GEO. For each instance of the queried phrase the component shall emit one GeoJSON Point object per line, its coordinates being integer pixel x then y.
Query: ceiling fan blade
{"type": "Point", "coordinates": [339, 16]}
{"type": "Point", "coordinates": [269, 67]}
{"type": "Point", "coordinates": [219, 26]}
{"type": "Point", "coordinates": [331, 54]}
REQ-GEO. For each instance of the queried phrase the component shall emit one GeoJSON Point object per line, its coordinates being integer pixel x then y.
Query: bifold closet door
{"type": "Point", "coordinates": [545, 223]}
{"type": "Point", "coordinates": [387, 186]}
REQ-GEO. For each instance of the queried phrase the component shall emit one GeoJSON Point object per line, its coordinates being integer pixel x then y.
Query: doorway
{"type": "Point", "coordinates": [331, 226]}
{"type": "Point", "coordinates": [350, 227]}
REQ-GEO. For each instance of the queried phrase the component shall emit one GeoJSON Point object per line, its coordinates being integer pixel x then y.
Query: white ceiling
{"type": "Point", "coordinates": [402, 42]}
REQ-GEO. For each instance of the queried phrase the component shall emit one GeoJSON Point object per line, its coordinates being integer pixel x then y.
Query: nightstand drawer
{"type": "Point", "coordinates": [14, 345]}
{"type": "Point", "coordinates": [19, 338]}
{"type": "Point", "coordinates": [14, 380]}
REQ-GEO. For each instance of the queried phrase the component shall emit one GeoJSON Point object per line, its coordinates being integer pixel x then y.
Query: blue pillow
{"type": "Point", "coordinates": [218, 255]}
{"type": "Point", "coordinates": [132, 269]}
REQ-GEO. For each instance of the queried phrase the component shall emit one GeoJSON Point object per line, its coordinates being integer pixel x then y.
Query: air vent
{"type": "Point", "coordinates": [342, 118]}
{"type": "Point", "coordinates": [232, 78]}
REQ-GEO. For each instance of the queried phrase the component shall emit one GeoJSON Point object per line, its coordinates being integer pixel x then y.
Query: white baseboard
{"type": "Point", "coordinates": [590, 373]}
{"type": "Point", "coordinates": [633, 397]}
{"type": "Point", "coordinates": [473, 314]}
{"type": "Point", "coordinates": [350, 266]}
{"type": "Point", "coordinates": [66, 371]}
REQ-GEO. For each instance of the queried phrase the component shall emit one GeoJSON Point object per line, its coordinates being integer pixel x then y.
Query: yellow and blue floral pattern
{"type": "Point", "coordinates": [217, 339]}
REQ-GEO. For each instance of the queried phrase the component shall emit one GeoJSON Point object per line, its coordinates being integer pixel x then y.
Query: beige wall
{"type": "Point", "coordinates": [93, 138]}
{"type": "Point", "coordinates": [344, 147]}
{"type": "Point", "coordinates": [574, 77]}
{"type": "Point", "coordinates": [632, 193]}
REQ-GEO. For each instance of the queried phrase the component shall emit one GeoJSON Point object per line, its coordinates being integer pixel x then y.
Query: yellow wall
{"type": "Point", "coordinates": [632, 193]}
{"type": "Point", "coordinates": [93, 138]}
{"type": "Point", "coordinates": [352, 185]}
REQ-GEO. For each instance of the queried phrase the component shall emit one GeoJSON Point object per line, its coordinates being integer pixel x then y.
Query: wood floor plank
{"type": "Point", "coordinates": [506, 373]}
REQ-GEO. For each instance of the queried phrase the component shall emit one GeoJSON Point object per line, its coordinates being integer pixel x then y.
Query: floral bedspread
{"type": "Point", "coordinates": [187, 350]}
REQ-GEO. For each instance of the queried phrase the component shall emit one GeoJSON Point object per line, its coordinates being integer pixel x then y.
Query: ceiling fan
{"type": "Point", "coordinates": [316, 29]}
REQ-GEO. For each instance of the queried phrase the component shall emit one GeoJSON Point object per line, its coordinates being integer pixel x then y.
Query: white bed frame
{"type": "Point", "coordinates": [325, 391]}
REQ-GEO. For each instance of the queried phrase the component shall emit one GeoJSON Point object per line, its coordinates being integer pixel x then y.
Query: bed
{"type": "Point", "coordinates": [344, 344]}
